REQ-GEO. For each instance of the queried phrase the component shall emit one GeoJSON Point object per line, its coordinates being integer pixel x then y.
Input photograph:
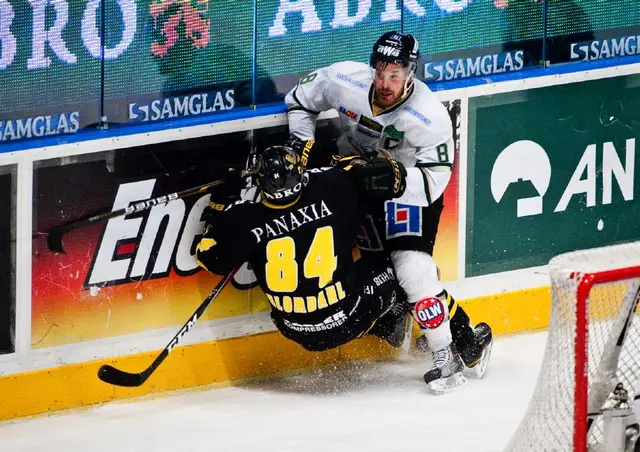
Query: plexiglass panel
{"type": "Point", "coordinates": [590, 30]}
{"type": "Point", "coordinates": [476, 39]}
{"type": "Point", "coordinates": [169, 59]}
{"type": "Point", "coordinates": [49, 68]}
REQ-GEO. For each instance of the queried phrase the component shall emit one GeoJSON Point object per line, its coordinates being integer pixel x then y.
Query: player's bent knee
{"type": "Point", "coordinates": [417, 274]}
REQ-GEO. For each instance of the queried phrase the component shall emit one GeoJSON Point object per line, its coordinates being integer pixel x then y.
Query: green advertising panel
{"type": "Point", "coordinates": [552, 170]}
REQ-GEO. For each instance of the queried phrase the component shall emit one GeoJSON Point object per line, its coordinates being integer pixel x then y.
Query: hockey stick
{"type": "Point", "coordinates": [54, 237]}
{"type": "Point", "coordinates": [604, 379]}
{"type": "Point", "coordinates": [117, 377]}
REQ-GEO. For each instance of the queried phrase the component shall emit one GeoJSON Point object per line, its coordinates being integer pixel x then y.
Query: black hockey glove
{"type": "Point", "coordinates": [301, 147]}
{"type": "Point", "coordinates": [211, 213]}
{"type": "Point", "coordinates": [375, 176]}
{"type": "Point", "coordinates": [223, 195]}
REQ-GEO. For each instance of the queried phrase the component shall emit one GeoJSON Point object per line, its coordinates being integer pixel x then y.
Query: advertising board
{"type": "Point", "coordinates": [551, 170]}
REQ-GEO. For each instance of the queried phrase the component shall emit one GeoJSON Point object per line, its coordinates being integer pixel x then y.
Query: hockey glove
{"type": "Point", "coordinates": [302, 148]}
{"type": "Point", "coordinates": [375, 176]}
{"type": "Point", "coordinates": [225, 194]}
{"type": "Point", "coordinates": [211, 213]}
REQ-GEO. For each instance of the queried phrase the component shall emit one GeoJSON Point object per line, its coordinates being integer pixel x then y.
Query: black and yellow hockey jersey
{"type": "Point", "coordinates": [301, 253]}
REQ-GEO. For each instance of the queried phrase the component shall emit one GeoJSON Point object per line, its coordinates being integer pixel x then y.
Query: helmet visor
{"type": "Point", "coordinates": [391, 72]}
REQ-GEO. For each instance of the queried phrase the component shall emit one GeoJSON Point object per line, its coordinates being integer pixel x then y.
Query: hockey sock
{"type": "Point", "coordinates": [461, 330]}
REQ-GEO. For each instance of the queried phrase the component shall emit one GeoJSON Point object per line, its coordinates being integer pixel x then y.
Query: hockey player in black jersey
{"type": "Point", "coordinates": [299, 240]}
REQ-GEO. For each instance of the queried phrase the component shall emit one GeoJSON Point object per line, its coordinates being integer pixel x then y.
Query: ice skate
{"type": "Point", "coordinates": [476, 356]}
{"type": "Point", "coordinates": [446, 373]}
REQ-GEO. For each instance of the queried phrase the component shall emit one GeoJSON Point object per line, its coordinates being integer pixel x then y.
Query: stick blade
{"type": "Point", "coordinates": [54, 240]}
{"type": "Point", "coordinates": [117, 377]}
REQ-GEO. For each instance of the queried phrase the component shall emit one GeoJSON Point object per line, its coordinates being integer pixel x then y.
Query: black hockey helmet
{"type": "Point", "coordinates": [280, 175]}
{"type": "Point", "coordinates": [398, 48]}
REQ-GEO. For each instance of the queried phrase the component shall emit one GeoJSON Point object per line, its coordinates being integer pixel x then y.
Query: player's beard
{"type": "Point", "coordinates": [386, 98]}
{"type": "Point", "coordinates": [388, 102]}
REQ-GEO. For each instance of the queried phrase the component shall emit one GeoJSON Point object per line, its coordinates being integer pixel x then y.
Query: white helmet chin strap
{"type": "Point", "coordinates": [408, 84]}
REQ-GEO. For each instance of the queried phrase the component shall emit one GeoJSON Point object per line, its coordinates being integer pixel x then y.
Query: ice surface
{"type": "Point", "coordinates": [365, 407]}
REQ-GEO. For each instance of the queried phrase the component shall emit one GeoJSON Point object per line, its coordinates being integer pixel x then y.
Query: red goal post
{"type": "Point", "coordinates": [592, 344]}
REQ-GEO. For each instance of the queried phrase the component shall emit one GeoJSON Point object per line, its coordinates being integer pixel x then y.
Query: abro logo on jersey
{"type": "Point", "coordinates": [522, 173]}
{"type": "Point", "coordinates": [149, 245]}
{"type": "Point", "coordinates": [286, 193]}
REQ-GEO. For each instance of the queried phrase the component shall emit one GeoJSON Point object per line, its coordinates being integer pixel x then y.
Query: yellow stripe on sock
{"type": "Point", "coordinates": [453, 305]}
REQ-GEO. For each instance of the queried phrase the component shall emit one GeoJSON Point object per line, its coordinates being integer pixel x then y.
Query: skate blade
{"type": "Point", "coordinates": [480, 369]}
{"type": "Point", "coordinates": [444, 385]}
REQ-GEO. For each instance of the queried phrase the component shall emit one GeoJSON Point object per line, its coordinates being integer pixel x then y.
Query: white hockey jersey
{"type": "Point", "coordinates": [416, 131]}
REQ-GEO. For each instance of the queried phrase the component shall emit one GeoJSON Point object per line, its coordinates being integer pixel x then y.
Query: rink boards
{"type": "Point", "coordinates": [543, 165]}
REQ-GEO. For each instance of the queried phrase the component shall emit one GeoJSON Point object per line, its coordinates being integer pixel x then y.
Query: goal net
{"type": "Point", "coordinates": [593, 343]}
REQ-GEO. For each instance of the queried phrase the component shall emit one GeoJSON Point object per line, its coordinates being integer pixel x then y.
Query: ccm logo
{"type": "Point", "coordinates": [397, 176]}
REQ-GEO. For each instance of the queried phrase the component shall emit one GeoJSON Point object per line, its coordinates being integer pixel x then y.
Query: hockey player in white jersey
{"type": "Point", "coordinates": [384, 110]}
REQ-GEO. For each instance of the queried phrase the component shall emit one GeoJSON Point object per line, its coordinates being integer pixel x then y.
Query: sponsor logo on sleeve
{"type": "Point", "coordinates": [417, 114]}
{"type": "Point", "coordinates": [348, 79]}
{"type": "Point", "coordinates": [348, 113]}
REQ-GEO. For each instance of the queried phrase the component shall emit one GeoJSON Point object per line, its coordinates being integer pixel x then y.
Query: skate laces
{"type": "Point", "coordinates": [481, 330]}
{"type": "Point", "coordinates": [442, 357]}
